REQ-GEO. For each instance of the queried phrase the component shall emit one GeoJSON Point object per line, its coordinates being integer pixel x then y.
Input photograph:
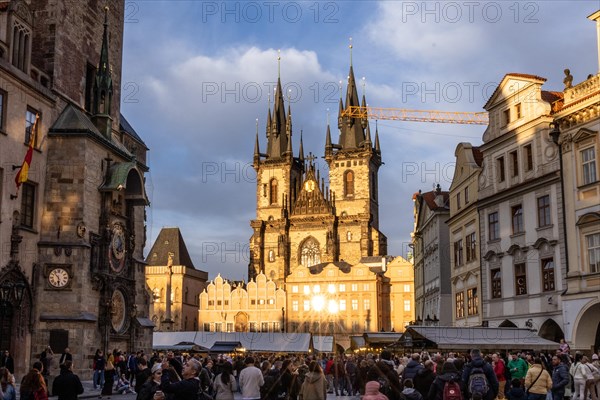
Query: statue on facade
{"type": "Point", "coordinates": [568, 81]}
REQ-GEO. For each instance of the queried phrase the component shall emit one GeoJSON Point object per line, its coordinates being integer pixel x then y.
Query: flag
{"type": "Point", "coordinates": [23, 173]}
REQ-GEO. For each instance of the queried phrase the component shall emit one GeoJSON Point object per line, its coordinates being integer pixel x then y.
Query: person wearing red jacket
{"type": "Point", "coordinates": [499, 370]}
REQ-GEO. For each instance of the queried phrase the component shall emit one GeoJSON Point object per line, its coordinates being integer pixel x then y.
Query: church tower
{"type": "Point", "coordinates": [278, 175]}
{"type": "Point", "coordinates": [353, 176]}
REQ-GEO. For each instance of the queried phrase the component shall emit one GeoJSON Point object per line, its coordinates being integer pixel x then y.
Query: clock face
{"type": "Point", "coordinates": [309, 186]}
{"type": "Point", "coordinates": [116, 252]}
{"type": "Point", "coordinates": [58, 278]}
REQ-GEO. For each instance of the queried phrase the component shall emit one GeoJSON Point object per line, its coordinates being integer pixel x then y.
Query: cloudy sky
{"type": "Point", "coordinates": [198, 74]}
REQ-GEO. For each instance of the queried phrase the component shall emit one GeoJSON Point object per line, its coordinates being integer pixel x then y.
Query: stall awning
{"type": "Point", "coordinates": [465, 338]}
{"type": "Point", "coordinates": [225, 347]}
{"type": "Point", "coordinates": [323, 344]}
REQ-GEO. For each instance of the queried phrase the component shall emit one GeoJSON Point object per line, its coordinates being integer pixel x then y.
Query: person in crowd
{"type": "Point", "coordinates": [538, 381]}
{"type": "Point", "coordinates": [224, 385]}
{"type": "Point", "coordinates": [580, 374]}
{"type": "Point", "coordinates": [175, 363]}
{"type": "Point", "coordinates": [516, 391]}
{"type": "Point", "coordinates": [99, 364]}
{"type": "Point", "coordinates": [47, 359]}
{"type": "Point", "coordinates": [449, 374]}
{"type": "Point", "coordinates": [185, 389]}
{"type": "Point", "coordinates": [352, 376]}
{"type": "Point", "coordinates": [518, 367]}
{"type": "Point", "coordinates": [384, 372]}
{"type": "Point", "coordinates": [7, 385]}
{"type": "Point", "coordinates": [500, 371]}
{"type": "Point", "coordinates": [67, 385]}
{"type": "Point", "coordinates": [560, 378]}
{"type": "Point", "coordinates": [329, 373]}
{"type": "Point", "coordinates": [289, 380]}
{"type": "Point", "coordinates": [30, 384]}
{"type": "Point", "coordinates": [143, 375]}
{"type": "Point", "coordinates": [413, 366]}
{"type": "Point", "coordinates": [339, 376]}
{"type": "Point", "coordinates": [148, 388]}
{"type": "Point", "coordinates": [425, 377]}
{"type": "Point", "coordinates": [478, 368]}
{"type": "Point", "coordinates": [314, 386]}
{"type": "Point", "coordinates": [564, 347]}
{"type": "Point", "coordinates": [109, 377]}
{"type": "Point", "coordinates": [123, 385]}
{"type": "Point", "coordinates": [372, 391]}
{"type": "Point", "coordinates": [409, 392]}
{"type": "Point", "coordinates": [65, 356]}
{"type": "Point", "coordinates": [270, 388]}
{"type": "Point", "coordinates": [593, 386]}
{"type": "Point", "coordinates": [251, 379]}
{"type": "Point", "coordinates": [363, 370]}
{"type": "Point", "coordinates": [8, 362]}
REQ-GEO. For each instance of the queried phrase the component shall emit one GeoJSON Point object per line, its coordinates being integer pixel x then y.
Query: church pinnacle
{"type": "Point", "coordinates": [103, 87]}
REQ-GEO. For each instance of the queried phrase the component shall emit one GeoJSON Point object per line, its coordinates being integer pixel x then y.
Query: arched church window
{"type": "Point", "coordinates": [310, 254]}
{"type": "Point", "coordinates": [186, 295]}
{"type": "Point", "coordinates": [271, 256]}
{"type": "Point", "coordinates": [349, 183]}
{"type": "Point", "coordinates": [273, 191]}
{"type": "Point", "coordinates": [349, 236]}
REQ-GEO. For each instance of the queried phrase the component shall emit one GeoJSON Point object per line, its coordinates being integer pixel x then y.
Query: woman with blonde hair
{"type": "Point", "coordinates": [538, 381]}
{"type": "Point", "coordinates": [7, 385]}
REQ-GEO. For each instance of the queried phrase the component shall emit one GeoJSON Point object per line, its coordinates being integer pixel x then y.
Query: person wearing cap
{"type": "Point", "coordinates": [150, 387]}
{"type": "Point", "coordinates": [251, 379]}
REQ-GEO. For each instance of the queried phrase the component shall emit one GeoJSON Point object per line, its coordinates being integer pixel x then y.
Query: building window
{"type": "Point", "coordinates": [528, 157]}
{"type": "Point", "coordinates": [354, 304]}
{"type": "Point", "coordinates": [493, 226]}
{"type": "Point", "coordinates": [500, 167]}
{"type": "Point", "coordinates": [514, 160]}
{"type": "Point", "coordinates": [230, 327]}
{"type": "Point", "coordinates": [342, 287]}
{"type": "Point", "coordinates": [294, 305]}
{"type": "Point", "coordinates": [219, 302]}
{"type": "Point", "coordinates": [543, 206]}
{"type": "Point", "coordinates": [206, 327]}
{"type": "Point", "coordinates": [264, 327]}
{"type": "Point", "coordinates": [27, 204]}
{"type": "Point", "coordinates": [467, 195]}
{"type": "Point", "coordinates": [211, 302]}
{"type": "Point", "coordinates": [2, 109]}
{"type": "Point", "coordinates": [252, 327]}
{"type": "Point", "coordinates": [505, 117]}
{"type": "Point", "coordinates": [20, 46]}
{"type": "Point", "coordinates": [317, 289]}
{"type": "Point", "coordinates": [593, 251]}
{"type": "Point", "coordinates": [518, 111]}
{"type": "Point", "coordinates": [276, 326]}
{"type": "Point", "coordinates": [295, 289]}
{"type": "Point", "coordinates": [366, 287]}
{"type": "Point", "coordinates": [306, 289]}
{"type": "Point", "coordinates": [366, 304]}
{"type": "Point", "coordinates": [520, 279]}
{"type": "Point", "coordinates": [354, 287]}
{"type": "Point", "coordinates": [460, 305]}
{"type": "Point", "coordinates": [310, 253]}
{"type": "Point", "coordinates": [406, 305]}
{"type": "Point", "coordinates": [548, 274]}
{"type": "Point", "coordinates": [355, 326]}
{"type": "Point", "coordinates": [471, 247]}
{"type": "Point", "coordinates": [458, 253]}
{"type": "Point", "coordinates": [306, 305]}
{"type": "Point", "coordinates": [349, 236]}
{"type": "Point", "coordinates": [458, 200]}
{"type": "Point", "coordinates": [273, 191]}
{"type": "Point", "coordinates": [218, 327]}
{"type": "Point", "coordinates": [472, 302]}
{"type": "Point", "coordinates": [406, 288]}
{"type": "Point", "coordinates": [588, 165]}
{"type": "Point", "coordinates": [348, 184]}
{"type": "Point", "coordinates": [517, 218]}
{"type": "Point", "coordinates": [31, 127]}
{"type": "Point", "coordinates": [496, 283]}
{"type": "Point", "coordinates": [271, 256]}
{"type": "Point", "coordinates": [342, 305]}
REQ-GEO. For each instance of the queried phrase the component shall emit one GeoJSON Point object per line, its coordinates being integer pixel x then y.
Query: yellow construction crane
{"type": "Point", "coordinates": [400, 114]}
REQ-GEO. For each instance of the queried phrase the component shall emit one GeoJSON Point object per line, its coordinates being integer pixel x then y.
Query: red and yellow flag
{"type": "Point", "coordinates": [23, 173]}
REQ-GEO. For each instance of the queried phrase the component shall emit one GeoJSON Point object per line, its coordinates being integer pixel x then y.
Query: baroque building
{"type": "Point", "coordinates": [522, 248]}
{"type": "Point", "coordinates": [430, 243]}
{"type": "Point", "coordinates": [171, 275]}
{"type": "Point", "coordinates": [578, 120]}
{"type": "Point", "coordinates": [463, 227]}
{"type": "Point", "coordinates": [72, 230]}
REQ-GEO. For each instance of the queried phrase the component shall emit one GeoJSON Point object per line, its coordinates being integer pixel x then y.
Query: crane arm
{"type": "Point", "coordinates": [401, 114]}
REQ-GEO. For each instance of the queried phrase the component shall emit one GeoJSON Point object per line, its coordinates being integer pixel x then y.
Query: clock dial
{"type": "Point", "coordinates": [116, 252]}
{"type": "Point", "coordinates": [309, 186]}
{"type": "Point", "coordinates": [58, 278]}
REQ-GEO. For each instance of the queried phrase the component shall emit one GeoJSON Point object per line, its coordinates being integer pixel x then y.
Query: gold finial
{"type": "Point", "coordinates": [279, 63]}
{"type": "Point", "coordinates": [350, 47]}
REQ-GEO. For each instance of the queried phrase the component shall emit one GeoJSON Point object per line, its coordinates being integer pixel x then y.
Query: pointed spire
{"type": "Point", "coordinates": [269, 120]}
{"type": "Point", "coordinates": [364, 121]}
{"type": "Point", "coordinates": [377, 146]}
{"type": "Point", "coordinates": [340, 111]}
{"type": "Point", "coordinates": [103, 87]}
{"type": "Point", "coordinates": [256, 149]}
{"type": "Point", "coordinates": [368, 136]}
{"type": "Point", "coordinates": [301, 151]}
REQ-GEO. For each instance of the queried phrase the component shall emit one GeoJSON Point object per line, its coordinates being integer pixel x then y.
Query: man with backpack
{"type": "Point", "coordinates": [447, 385]}
{"type": "Point", "coordinates": [479, 378]}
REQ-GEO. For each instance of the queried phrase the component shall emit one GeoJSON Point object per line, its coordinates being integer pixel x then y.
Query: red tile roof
{"type": "Point", "coordinates": [429, 198]}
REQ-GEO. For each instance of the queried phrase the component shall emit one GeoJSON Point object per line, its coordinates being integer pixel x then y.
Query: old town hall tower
{"type": "Point", "coordinates": [299, 220]}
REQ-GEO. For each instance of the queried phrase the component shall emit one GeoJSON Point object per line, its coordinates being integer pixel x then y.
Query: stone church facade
{"type": "Point", "coordinates": [72, 235]}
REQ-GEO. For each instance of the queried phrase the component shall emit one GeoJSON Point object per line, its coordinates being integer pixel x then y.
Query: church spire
{"type": "Point", "coordinates": [280, 131]}
{"type": "Point", "coordinates": [103, 87]}
{"type": "Point", "coordinates": [377, 146]}
{"type": "Point", "coordinates": [351, 128]}
{"type": "Point", "coordinates": [301, 151]}
{"type": "Point", "coordinates": [256, 147]}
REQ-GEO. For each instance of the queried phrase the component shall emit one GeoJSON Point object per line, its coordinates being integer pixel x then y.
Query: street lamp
{"type": "Point", "coordinates": [11, 295]}
{"type": "Point", "coordinates": [555, 135]}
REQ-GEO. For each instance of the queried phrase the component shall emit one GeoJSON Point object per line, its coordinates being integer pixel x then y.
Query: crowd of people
{"type": "Point", "coordinates": [417, 376]}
